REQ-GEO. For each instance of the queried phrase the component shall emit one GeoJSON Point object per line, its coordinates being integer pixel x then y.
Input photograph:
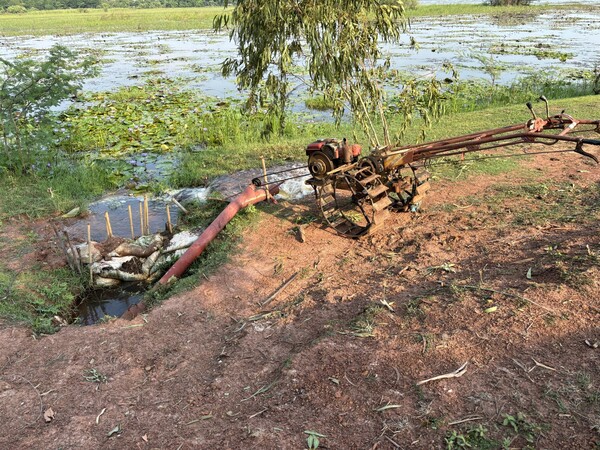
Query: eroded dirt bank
{"type": "Point", "coordinates": [474, 277]}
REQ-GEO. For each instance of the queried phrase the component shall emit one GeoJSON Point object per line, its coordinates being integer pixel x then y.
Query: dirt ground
{"type": "Point", "coordinates": [341, 350]}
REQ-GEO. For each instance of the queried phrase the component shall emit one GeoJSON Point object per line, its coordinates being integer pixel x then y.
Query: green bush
{"type": "Point", "coordinates": [28, 90]}
{"type": "Point", "coordinates": [16, 9]}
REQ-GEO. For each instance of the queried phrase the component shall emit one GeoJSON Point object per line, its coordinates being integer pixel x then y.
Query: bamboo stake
{"type": "Point", "coordinates": [63, 247]}
{"type": "Point", "coordinates": [169, 224]}
{"type": "Point", "coordinates": [131, 222]}
{"type": "Point", "coordinates": [146, 214]}
{"type": "Point", "coordinates": [108, 226]}
{"type": "Point", "coordinates": [179, 205]}
{"type": "Point", "coordinates": [264, 167]}
{"type": "Point", "coordinates": [76, 258]}
{"type": "Point", "coordinates": [141, 220]}
{"type": "Point", "coordinates": [89, 242]}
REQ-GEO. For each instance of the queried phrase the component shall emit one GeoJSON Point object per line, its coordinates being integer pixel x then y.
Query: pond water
{"type": "Point", "coordinates": [195, 56]}
{"type": "Point", "coordinates": [225, 187]}
{"type": "Point", "coordinates": [117, 207]}
{"type": "Point", "coordinates": [108, 302]}
{"type": "Point", "coordinates": [94, 305]}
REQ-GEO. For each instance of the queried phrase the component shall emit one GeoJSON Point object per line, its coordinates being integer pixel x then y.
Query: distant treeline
{"type": "Point", "coordinates": [17, 6]}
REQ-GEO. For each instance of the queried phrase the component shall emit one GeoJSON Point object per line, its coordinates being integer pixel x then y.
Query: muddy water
{"type": "Point", "coordinates": [224, 187]}
{"type": "Point", "coordinates": [117, 208]}
{"type": "Point", "coordinates": [115, 301]}
{"type": "Point", "coordinates": [109, 302]}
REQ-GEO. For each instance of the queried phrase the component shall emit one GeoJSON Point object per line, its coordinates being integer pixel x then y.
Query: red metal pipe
{"type": "Point", "coordinates": [250, 196]}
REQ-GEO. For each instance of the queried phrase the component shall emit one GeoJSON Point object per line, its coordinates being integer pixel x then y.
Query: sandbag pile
{"type": "Point", "coordinates": [140, 260]}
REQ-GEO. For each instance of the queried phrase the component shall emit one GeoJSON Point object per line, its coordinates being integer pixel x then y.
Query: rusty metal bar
{"type": "Point", "coordinates": [504, 136]}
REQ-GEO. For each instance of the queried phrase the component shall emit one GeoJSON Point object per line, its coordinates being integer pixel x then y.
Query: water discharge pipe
{"type": "Point", "coordinates": [250, 196]}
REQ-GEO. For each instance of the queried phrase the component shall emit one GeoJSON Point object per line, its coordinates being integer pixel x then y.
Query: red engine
{"type": "Point", "coordinates": [326, 155]}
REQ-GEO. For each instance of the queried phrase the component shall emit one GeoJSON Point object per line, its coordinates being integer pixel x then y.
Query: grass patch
{"type": "Point", "coordinates": [479, 94]}
{"type": "Point", "coordinates": [365, 323]}
{"type": "Point", "coordinates": [318, 103]}
{"type": "Point", "coordinates": [550, 202]}
{"type": "Point", "coordinates": [475, 437]}
{"type": "Point", "coordinates": [70, 21]}
{"type": "Point", "coordinates": [481, 9]}
{"type": "Point", "coordinates": [53, 189]}
{"type": "Point", "coordinates": [477, 164]}
{"type": "Point", "coordinates": [33, 298]}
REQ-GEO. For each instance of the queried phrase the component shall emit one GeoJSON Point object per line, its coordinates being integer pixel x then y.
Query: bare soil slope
{"type": "Point", "coordinates": [475, 277]}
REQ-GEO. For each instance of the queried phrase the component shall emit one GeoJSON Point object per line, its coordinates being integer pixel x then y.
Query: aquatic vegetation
{"type": "Point", "coordinates": [158, 117]}
{"type": "Point", "coordinates": [540, 50]}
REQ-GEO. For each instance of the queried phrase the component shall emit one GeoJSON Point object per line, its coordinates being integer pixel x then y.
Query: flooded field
{"type": "Point", "coordinates": [524, 43]}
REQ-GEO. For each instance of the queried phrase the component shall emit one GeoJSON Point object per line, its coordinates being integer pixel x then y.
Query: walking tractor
{"type": "Point", "coordinates": [357, 192]}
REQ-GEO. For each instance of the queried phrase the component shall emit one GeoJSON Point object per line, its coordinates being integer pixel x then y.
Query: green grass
{"type": "Point", "coordinates": [475, 95]}
{"type": "Point", "coordinates": [34, 297]}
{"type": "Point", "coordinates": [500, 11]}
{"type": "Point", "coordinates": [542, 203]}
{"type": "Point", "coordinates": [64, 22]}
{"type": "Point", "coordinates": [54, 190]}
{"type": "Point", "coordinates": [318, 103]}
{"type": "Point", "coordinates": [122, 19]}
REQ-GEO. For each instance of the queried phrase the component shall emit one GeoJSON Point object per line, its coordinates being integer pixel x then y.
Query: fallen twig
{"type": "Point", "coordinates": [272, 297]}
{"type": "Point", "coordinates": [98, 416]}
{"type": "Point", "coordinates": [539, 364]}
{"type": "Point", "coordinates": [388, 406]}
{"type": "Point", "coordinates": [394, 443]}
{"type": "Point", "coordinates": [262, 390]}
{"type": "Point", "coordinates": [257, 414]}
{"type": "Point", "coordinates": [457, 373]}
{"type": "Point", "coordinates": [348, 379]}
{"type": "Point", "coordinates": [206, 417]}
{"type": "Point", "coordinates": [507, 294]}
{"type": "Point", "coordinates": [468, 419]}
